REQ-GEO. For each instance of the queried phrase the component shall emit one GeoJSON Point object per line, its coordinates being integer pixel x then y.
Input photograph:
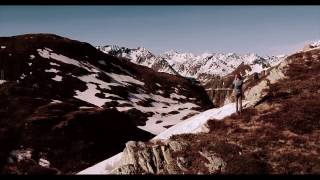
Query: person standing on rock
{"type": "Point", "coordinates": [237, 90]}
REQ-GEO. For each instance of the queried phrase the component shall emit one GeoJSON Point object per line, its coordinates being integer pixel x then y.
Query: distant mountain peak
{"type": "Point", "coordinates": [191, 65]}
{"type": "Point", "coordinates": [312, 45]}
{"type": "Point", "coordinates": [315, 43]}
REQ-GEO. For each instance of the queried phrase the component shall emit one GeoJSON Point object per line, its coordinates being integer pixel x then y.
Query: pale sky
{"type": "Point", "coordinates": [266, 30]}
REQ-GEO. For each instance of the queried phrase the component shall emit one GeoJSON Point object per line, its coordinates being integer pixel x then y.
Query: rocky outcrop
{"type": "Point", "coordinates": [165, 158]}
{"type": "Point", "coordinates": [255, 90]}
{"type": "Point", "coordinates": [182, 155]}
{"type": "Point", "coordinates": [138, 158]}
{"type": "Point", "coordinates": [219, 88]}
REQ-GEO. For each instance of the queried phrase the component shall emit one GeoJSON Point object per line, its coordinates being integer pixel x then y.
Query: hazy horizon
{"type": "Point", "coordinates": [265, 30]}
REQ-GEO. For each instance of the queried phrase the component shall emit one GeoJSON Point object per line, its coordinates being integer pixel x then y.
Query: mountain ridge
{"type": "Point", "coordinates": [200, 67]}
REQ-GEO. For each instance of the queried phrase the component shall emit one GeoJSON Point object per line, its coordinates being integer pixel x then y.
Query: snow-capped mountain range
{"type": "Point", "coordinates": [199, 67]}
{"type": "Point", "coordinates": [140, 56]}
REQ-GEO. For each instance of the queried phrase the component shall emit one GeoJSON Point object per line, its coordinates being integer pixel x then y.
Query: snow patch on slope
{"type": "Point", "coordinates": [22, 76]}
{"type": "Point", "coordinates": [93, 78]}
{"type": "Point", "coordinates": [195, 123]}
{"type": "Point", "coordinates": [49, 54]}
{"type": "Point", "coordinates": [32, 56]}
{"type": "Point", "coordinates": [2, 81]}
{"type": "Point", "coordinates": [52, 70]}
{"type": "Point", "coordinates": [166, 110]}
{"type": "Point", "coordinates": [55, 101]}
{"type": "Point", "coordinates": [191, 125]}
{"type": "Point", "coordinates": [54, 64]}
{"type": "Point", "coordinates": [174, 95]}
{"type": "Point", "coordinates": [89, 95]}
{"type": "Point", "coordinates": [92, 81]}
{"type": "Point", "coordinates": [44, 163]}
{"type": "Point", "coordinates": [167, 119]}
{"type": "Point", "coordinates": [57, 78]}
{"type": "Point", "coordinates": [123, 79]}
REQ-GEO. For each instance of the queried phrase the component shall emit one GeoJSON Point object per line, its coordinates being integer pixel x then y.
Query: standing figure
{"type": "Point", "coordinates": [237, 89]}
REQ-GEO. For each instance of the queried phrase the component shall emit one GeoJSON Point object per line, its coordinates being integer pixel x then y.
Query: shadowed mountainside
{"type": "Point", "coordinates": [68, 103]}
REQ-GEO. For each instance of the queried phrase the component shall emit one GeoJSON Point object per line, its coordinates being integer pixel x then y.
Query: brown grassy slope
{"type": "Point", "coordinates": [281, 135]}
